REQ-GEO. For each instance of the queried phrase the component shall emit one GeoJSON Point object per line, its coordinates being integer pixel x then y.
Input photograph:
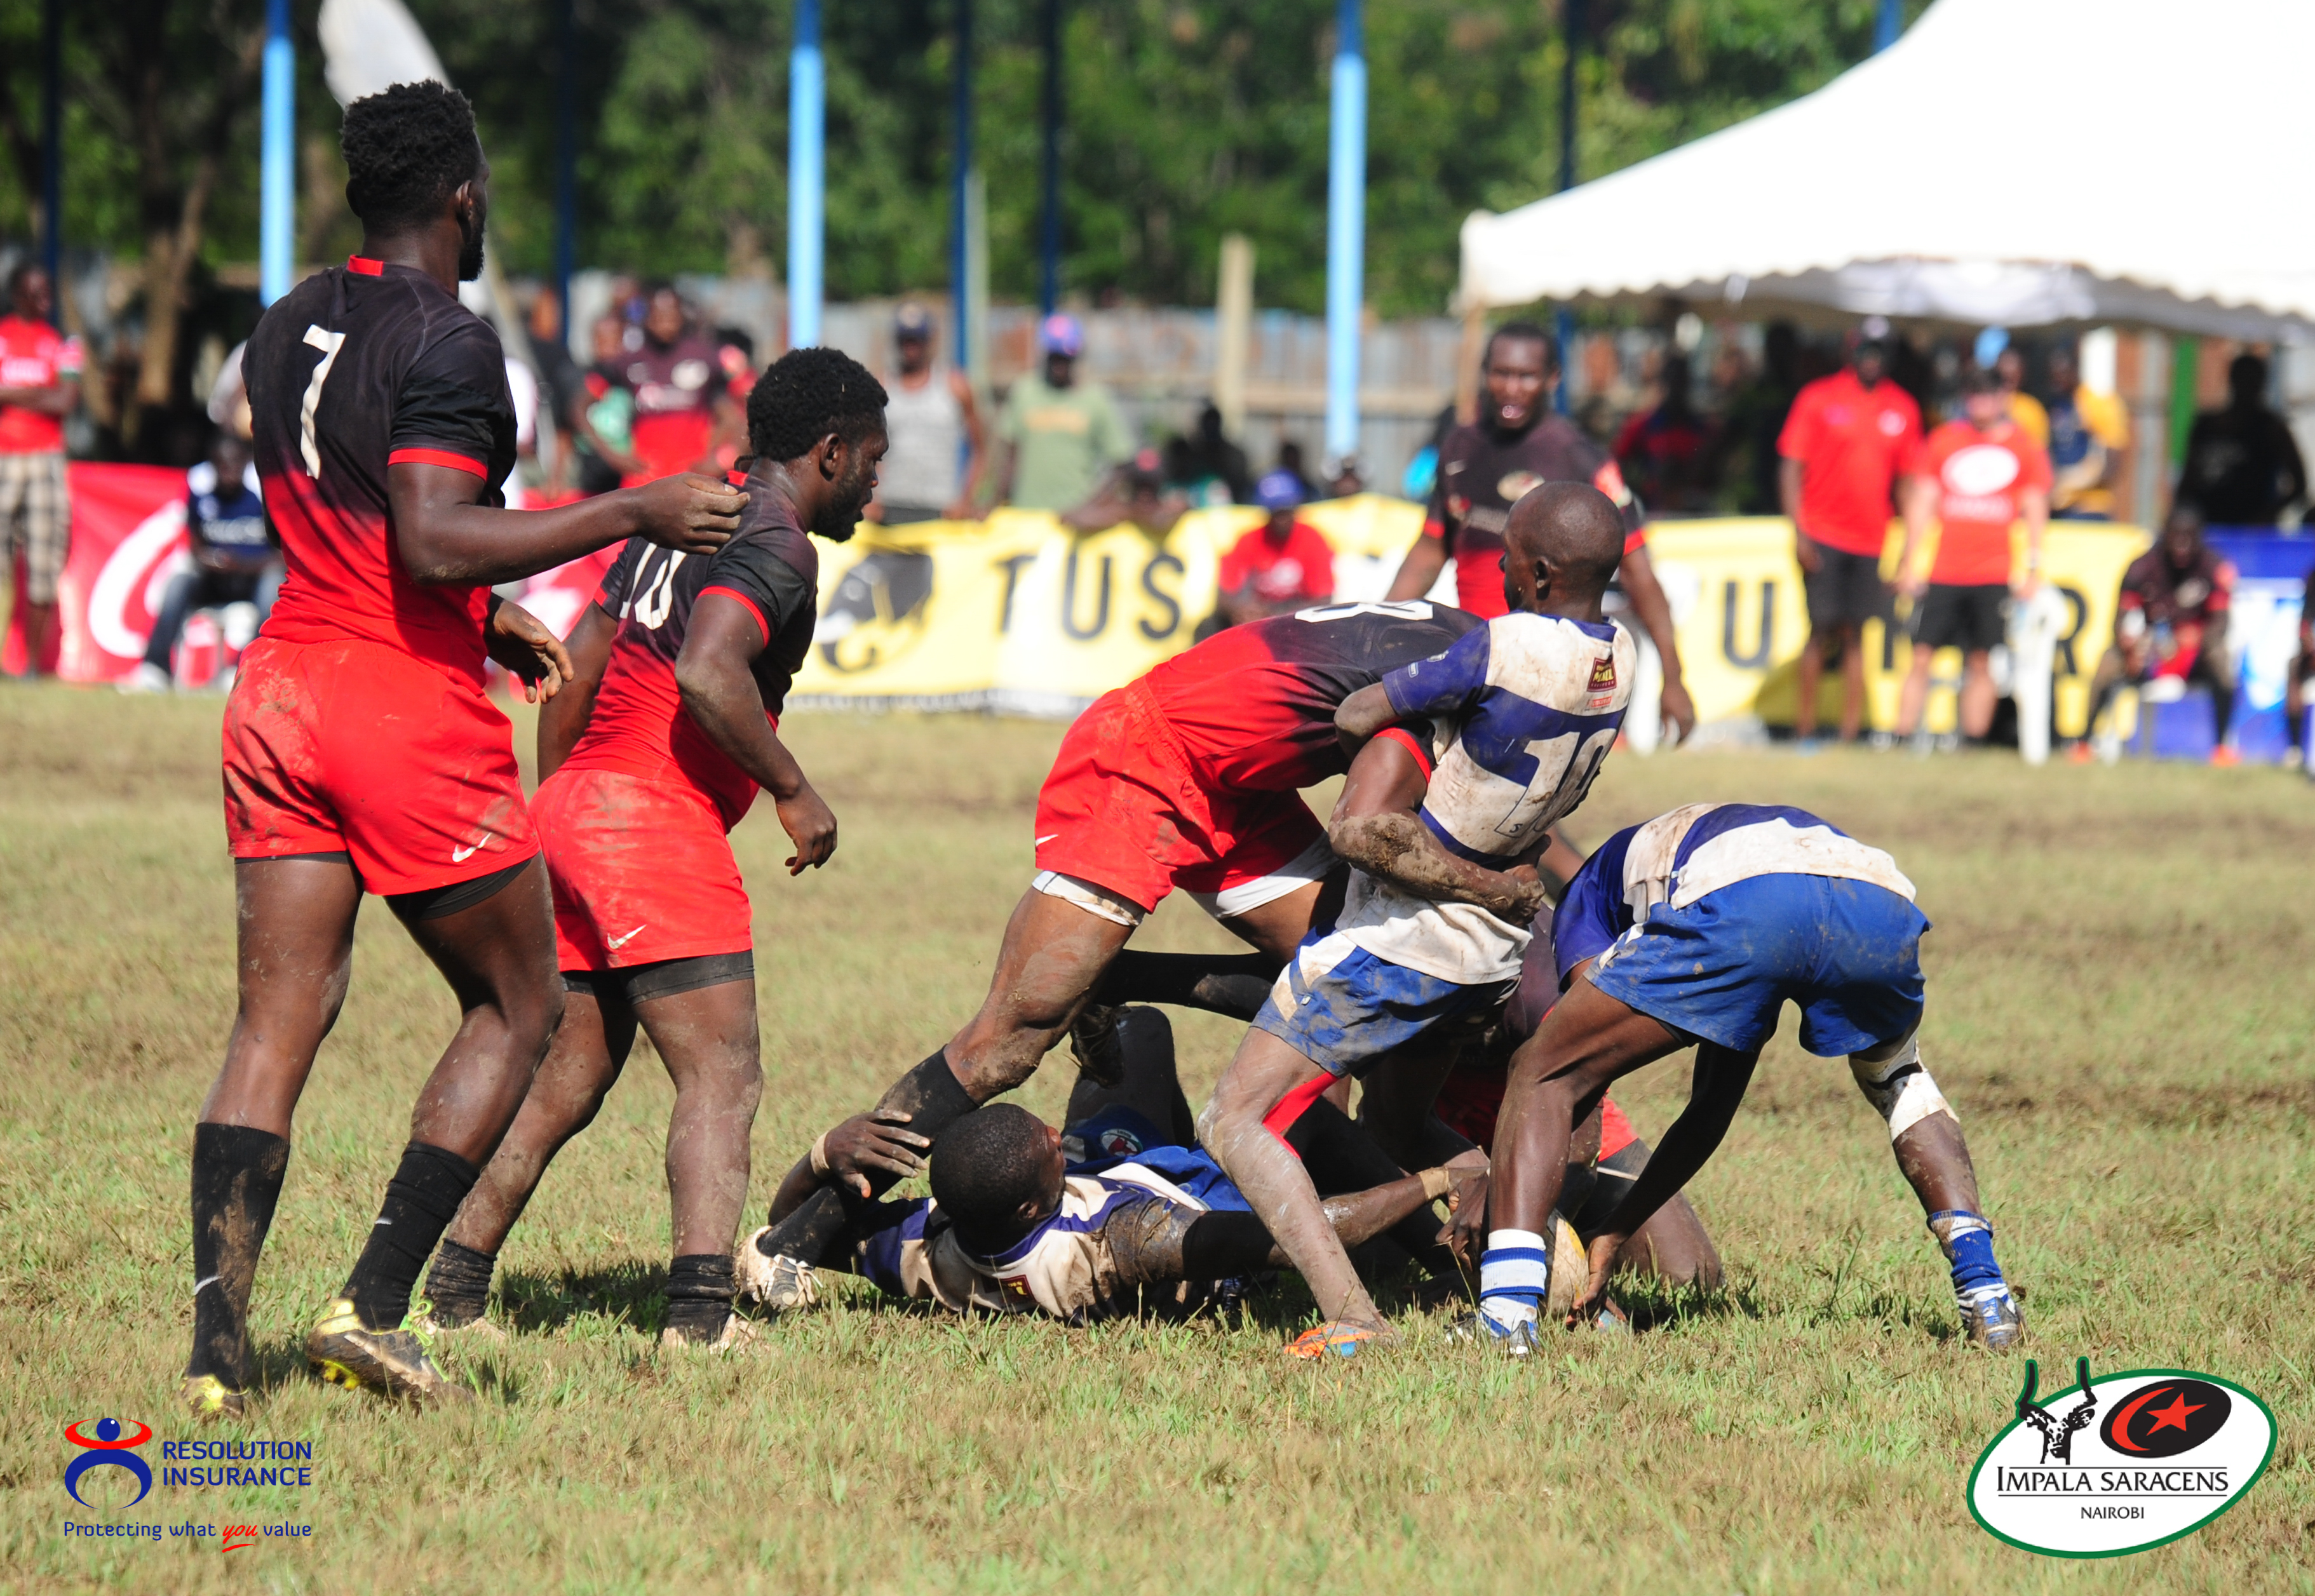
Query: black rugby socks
{"type": "Point", "coordinates": [1232, 984]}
{"type": "Point", "coordinates": [458, 1286]}
{"type": "Point", "coordinates": [421, 1201]}
{"type": "Point", "coordinates": [699, 1286]}
{"type": "Point", "coordinates": [236, 1182]}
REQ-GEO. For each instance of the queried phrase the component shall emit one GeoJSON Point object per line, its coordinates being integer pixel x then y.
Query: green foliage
{"type": "Point", "coordinates": [1186, 119]}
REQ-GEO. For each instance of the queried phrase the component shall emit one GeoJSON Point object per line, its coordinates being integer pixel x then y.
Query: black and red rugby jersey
{"type": "Point", "coordinates": [1482, 473]}
{"type": "Point", "coordinates": [1254, 705]}
{"type": "Point", "coordinates": [639, 724]}
{"type": "Point", "coordinates": [356, 368]}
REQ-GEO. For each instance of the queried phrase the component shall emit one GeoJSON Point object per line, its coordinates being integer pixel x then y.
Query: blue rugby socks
{"type": "Point", "coordinates": [1514, 1279]}
{"type": "Point", "coordinates": [1967, 1242]}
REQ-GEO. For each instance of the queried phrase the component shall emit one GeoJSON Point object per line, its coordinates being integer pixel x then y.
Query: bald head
{"type": "Point", "coordinates": [1562, 546]}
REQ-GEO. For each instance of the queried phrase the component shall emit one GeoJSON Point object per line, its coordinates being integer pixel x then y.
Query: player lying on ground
{"type": "Point", "coordinates": [361, 752]}
{"type": "Point", "coordinates": [1187, 777]}
{"type": "Point", "coordinates": [1692, 931]}
{"type": "Point", "coordinates": [1417, 1119]}
{"type": "Point", "coordinates": [1119, 1213]}
{"type": "Point", "coordinates": [1430, 937]}
{"type": "Point", "coordinates": [652, 754]}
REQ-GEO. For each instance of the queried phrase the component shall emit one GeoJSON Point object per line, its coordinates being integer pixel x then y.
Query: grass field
{"type": "Point", "coordinates": [2119, 1008]}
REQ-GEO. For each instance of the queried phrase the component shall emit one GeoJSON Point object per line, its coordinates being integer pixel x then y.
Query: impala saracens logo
{"type": "Point", "coordinates": [2120, 1463]}
{"type": "Point", "coordinates": [108, 1445]}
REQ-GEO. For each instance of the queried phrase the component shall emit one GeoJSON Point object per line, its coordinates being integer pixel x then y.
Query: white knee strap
{"type": "Point", "coordinates": [1900, 1088]}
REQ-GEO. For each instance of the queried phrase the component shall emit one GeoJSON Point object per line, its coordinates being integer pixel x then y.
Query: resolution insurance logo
{"type": "Point", "coordinates": [108, 1447]}
{"type": "Point", "coordinates": [2121, 1463]}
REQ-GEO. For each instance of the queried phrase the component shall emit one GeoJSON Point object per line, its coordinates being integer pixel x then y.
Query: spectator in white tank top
{"type": "Point", "coordinates": [933, 470]}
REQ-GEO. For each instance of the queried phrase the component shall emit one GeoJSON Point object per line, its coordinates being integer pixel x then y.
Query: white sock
{"type": "Point", "coordinates": [1514, 1277]}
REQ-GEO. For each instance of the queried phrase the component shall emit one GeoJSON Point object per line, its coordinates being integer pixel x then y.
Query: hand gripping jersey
{"type": "Point", "coordinates": [356, 369]}
{"type": "Point", "coordinates": [639, 724]}
{"type": "Point", "coordinates": [1525, 709]}
{"type": "Point", "coordinates": [1482, 473]}
{"type": "Point", "coordinates": [1114, 1232]}
{"type": "Point", "coordinates": [1254, 706]}
{"type": "Point", "coordinates": [1678, 857]}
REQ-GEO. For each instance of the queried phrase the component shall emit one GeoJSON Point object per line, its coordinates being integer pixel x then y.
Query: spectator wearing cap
{"type": "Point", "coordinates": [39, 385]}
{"type": "Point", "coordinates": [933, 468]}
{"type": "Point", "coordinates": [1282, 565]}
{"type": "Point", "coordinates": [1060, 434]}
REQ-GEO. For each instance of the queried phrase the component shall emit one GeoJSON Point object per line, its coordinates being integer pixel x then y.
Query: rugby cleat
{"type": "Point", "coordinates": [781, 1284]}
{"type": "Point", "coordinates": [1519, 1339]}
{"type": "Point", "coordinates": [392, 1363]}
{"type": "Point", "coordinates": [1094, 1041]}
{"type": "Point", "coordinates": [207, 1398]}
{"type": "Point", "coordinates": [1991, 1318]}
{"type": "Point", "coordinates": [1340, 1338]}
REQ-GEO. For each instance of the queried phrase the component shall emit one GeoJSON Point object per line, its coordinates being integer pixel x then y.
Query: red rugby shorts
{"type": "Point", "coordinates": [1122, 809]}
{"type": "Point", "coordinates": [356, 748]}
{"type": "Point", "coordinates": [642, 870]}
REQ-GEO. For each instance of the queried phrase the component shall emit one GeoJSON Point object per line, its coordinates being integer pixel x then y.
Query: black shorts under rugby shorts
{"type": "Point", "coordinates": [1973, 618]}
{"type": "Point", "coordinates": [1845, 590]}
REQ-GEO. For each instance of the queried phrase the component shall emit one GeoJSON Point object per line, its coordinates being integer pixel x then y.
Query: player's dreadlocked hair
{"type": "Point", "coordinates": [985, 1166]}
{"type": "Point", "coordinates": [407, 149]}
{"type": "Point", "coordinates": [807, 393]}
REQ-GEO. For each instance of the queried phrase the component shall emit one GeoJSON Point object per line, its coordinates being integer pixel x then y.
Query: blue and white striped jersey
{"type": "Point", "coordinates": [1525, 710]}
{"type": "Point", "coordinates": [1680, 856]}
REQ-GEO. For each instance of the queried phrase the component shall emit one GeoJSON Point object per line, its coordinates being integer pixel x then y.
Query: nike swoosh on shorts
{"type": "Point", "coordinates": [616, 942]}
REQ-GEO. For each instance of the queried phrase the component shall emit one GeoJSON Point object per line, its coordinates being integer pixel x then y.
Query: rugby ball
{"type": "Point", "coordinates": [1571, 1270]}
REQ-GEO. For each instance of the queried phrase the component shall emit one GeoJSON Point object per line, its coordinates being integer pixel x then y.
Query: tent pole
{"type": "Point", "coordinates": [1346, 208]}
{"type": "Point", "coordinates": [566, 161]}
{"type": "Point", "coordinates": [52, 154]}
{"type": "Point", "coordinates": [807, 173]}
{"type": "Point", "coordinates": [277, 180]}
{"type": "Point", "coordinates": [1563, 320]}
{"type": "Point", "coordinates": [960, 267]}
{"type": "Point", "coordinates": [1888, 25]}
{"type": "Point", "coordinates": [1049, 274]}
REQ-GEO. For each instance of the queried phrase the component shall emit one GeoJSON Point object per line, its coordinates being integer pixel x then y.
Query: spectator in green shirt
{"type": "Point", "coordinates": [1060, 435]}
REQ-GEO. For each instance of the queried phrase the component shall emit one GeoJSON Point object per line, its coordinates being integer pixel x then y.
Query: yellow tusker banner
{"type": "Point", "coordinates": [1742, 619]}
{"type": "Point", "coordinates": [1019, 616]}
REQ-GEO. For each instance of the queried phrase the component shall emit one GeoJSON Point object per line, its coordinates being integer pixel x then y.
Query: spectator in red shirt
{"type": "Point", "coordinates": [1976, 477]}
{"type": "Point", "coordinates": [39, 385]}
{"type": "Point", "coordinates": [1666, 452]}
{"type": "Point", "coordinates": [1848, 436]}
{"type": "Point", "coordinates": [683, 406]}
{"type": "Point", "coordinates": [1282, 565]}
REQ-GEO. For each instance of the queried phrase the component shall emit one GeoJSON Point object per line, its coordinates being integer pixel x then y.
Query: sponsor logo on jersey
{"type": "Point", "coordinates": [1980, 469]}
{"type": "Point", "coordinates": [2174, 1450]}
{"type": "Point", "coordinates": [1892, 423]}
{"type": "Point", "coordinates": [1517, 485]}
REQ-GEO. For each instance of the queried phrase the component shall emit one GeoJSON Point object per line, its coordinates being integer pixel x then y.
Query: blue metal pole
{"type": "Point", "coordinates": [52, 155]}
{"type": "Point", "coordinates": [567, 164]}
{"type": "Point", "coordinates": [1346, 228]}
{"type": "Point", "coordinates": [277, 177]}
{"type": "Point", "coordinates": [1049, 275]}
{"type": "Point", "coordinates": [807, 176]}
{"type": "Point", "coordinates": [960, 266]}
{"type": "Point", "coordinates": [1888, 25]}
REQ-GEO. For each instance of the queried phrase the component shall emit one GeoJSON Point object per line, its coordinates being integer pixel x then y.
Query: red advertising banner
{"type": "Point", "coordinates": [128, 540]}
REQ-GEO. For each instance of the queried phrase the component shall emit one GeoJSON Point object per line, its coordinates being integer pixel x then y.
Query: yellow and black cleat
{"type": "Point", "coordinates": [206, 1396]}
{"type": "Point", "coordinates": [390, 1362]}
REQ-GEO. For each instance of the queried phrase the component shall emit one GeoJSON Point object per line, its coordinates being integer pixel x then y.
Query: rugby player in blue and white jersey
{"type": "Point", "coordinates": [1433, 923]}
{"type": "Point", "coordinates": [1692, 931]}
{"type": "Point", "coordinates": [1116, 1215]}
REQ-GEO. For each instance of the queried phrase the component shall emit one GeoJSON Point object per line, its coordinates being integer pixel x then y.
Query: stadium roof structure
{"type": "Point", "coordinates": [2008, 161]}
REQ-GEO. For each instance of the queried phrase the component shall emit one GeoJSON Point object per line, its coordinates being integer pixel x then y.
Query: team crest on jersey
{"type": "Point", "coordinates": [1118, 1142]}
{"type": "Point", "coordinates": [1517, 485]}
{"type": "Point", "coordinates": [1602, 685]}
{"type": "Point", "coordinates": [1016, 1287]}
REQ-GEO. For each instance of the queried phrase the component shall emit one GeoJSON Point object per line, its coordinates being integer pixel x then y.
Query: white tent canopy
{"type": "Point", "coordinates": [2009, 162]}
